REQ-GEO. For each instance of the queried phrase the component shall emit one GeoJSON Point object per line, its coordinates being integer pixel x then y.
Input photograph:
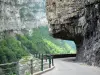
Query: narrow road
{"type": "Point", "coordinates": [64, 67]}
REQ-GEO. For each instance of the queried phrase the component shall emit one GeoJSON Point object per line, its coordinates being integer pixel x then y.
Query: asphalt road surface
{"type": "Point", "coordinates": [65, 67]}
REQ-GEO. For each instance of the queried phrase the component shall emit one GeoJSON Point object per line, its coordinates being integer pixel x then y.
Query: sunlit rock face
{"type": "Point", "coordinates": [9, 15]}
{"type": "Point", "coordinates": [21, 14]}
{"type": "Point", "coordinates": [77, 20]}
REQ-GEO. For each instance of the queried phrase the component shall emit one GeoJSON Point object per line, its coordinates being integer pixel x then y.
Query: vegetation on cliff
{"type": "Point", "coordinates": [13, 48]}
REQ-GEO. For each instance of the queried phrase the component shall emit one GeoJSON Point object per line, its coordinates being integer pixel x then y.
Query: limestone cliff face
{"type": "Point", "coordinates": [77, 20]}
{"type": "Point", "coordinates": [9, 15]}
{"type": "Point", "coordinates": [20, 14]}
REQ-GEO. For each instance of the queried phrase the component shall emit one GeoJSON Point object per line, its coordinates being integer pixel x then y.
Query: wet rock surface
{"type": "Point", "coordinates": [77, 20]}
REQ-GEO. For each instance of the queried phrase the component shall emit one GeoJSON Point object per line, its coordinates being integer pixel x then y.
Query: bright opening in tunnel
{"type": "Point", "coordinates": [72, 44]}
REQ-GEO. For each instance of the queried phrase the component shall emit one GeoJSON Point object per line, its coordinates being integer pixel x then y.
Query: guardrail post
{"type": "Point", "coordinates": [46, 57]}
{"type": "Point", "coordinates": [42, 62]}
{"type": "Point", "coordinates": [52, 61]}
{"type": "Point", "coordinates": [31, 66]}
{"type": "Point", "coordinates": [17, 68]}
{"type": "Point", "coordinates": [36, 55]}
{"type": "Point", "coordinates": [39, 55]}
{"type": "Point", "coordinates": [49, 61]}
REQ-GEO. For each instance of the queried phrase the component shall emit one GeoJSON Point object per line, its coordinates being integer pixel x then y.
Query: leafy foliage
{"type": "Point", "coordinates": [13, 48]}
{"type": "Point", "coordinates": [41, 42]}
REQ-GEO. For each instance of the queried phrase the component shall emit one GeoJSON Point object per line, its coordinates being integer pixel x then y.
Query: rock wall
{"type": "Point", "coordinates": [77, 20]}
{"type": "Point", "coordinates": [20, 14]}
{"type": "Point", "coordinates": [9, 15]}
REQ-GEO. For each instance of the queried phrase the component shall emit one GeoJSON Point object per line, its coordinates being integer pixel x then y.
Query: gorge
{"type": "Point", "coordinates": [23, 30]}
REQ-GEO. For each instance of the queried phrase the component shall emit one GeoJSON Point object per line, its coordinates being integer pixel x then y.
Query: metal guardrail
{"type": "Point", "coordinates": [46, 57]}
{"type": "Point", "coordinates": [9, 68]}
{"type": "Point", "coordinates": [63, 55]}
{"type": "Point", "coordinates": [13, 68]}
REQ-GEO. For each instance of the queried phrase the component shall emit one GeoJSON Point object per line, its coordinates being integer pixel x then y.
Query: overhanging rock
{"type": "Point", "coordinates": [77, 20]}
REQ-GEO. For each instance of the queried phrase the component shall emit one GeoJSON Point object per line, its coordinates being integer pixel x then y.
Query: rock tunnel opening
{"type": "Point", "coordinates": [84, 29]}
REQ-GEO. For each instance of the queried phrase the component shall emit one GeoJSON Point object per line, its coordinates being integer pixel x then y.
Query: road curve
{"type": "Point", "coordinates": [64, 67]}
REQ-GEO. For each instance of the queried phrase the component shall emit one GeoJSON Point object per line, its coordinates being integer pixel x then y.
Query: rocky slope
{"type": "Point", "coordinates": [77, 20]}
